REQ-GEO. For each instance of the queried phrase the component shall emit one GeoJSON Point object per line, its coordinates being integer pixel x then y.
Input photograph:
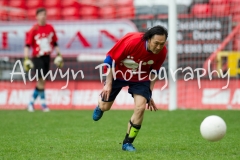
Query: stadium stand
{"type": "Point", "coordinates": [3, 15]}
{"type": "Point", "coordinates": [70, 13]}
{"type": "Point", "coordinates": [201, 10]}
{"type": "Point", "coordinates": [52, 3]}
{"type": "Point", "coordinates": [16, 14]}
{"type": "Point", "coordinates": [31, 4]}
{"type": "Point", "coordinates": [108, 12]}
{"type": "Point", "coordinates": [17, 4]}
{"type": "Point", "coordinates": [126, 12]}
{"type": "Point", "coordinates": [110, 9]}
{"type": "Point", "coordinates": [218, 1]}
{"type": "Point", "coordinates": [200, 1]}
{"type": "Point", "coordinates": [220, 9]}
{"type": "Point", "coordinates": [88, 12]}
{"type": "Point", "coordinates": [54, 13]}
{"type": "Point", "coordinates": [124, 2]}
{"type": "Point", "coordinates": [69, 3]}
{"type": "Point", "coordinates": [13, 10]}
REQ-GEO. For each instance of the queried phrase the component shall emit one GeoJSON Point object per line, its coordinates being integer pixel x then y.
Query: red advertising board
{"type": "Point", "coordinates": [85, 94]}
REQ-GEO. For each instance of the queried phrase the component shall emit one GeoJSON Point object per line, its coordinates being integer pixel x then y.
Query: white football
{"type": "Point", "coordinates": [213, 128]}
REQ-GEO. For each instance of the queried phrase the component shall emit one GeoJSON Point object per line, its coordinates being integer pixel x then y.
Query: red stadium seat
{"type": "Point", "coordinates": [17, 3]}
{"type": "Point", "coordinates": [220, 9]}
{"type": "Point", "coordinates": [88, 2]}
{"type": "Point", "coordinates": [236, 18]}
{"type": "Point", "coordinates": [88, 12]}
{"type": "Point", "coordinates": [31, 14]}
{"type": "Point", "coordinates": [17, 14]}
{"type": "Point", "coordinates": [70, 3]}
{"type": "Point", "coordinates": [34, 3]}
{"type": "Point", "coordinates": [234, 2]}
{"type": "Point", "coordinates": [106, 3]}
{"type": "Point", "coordinates": [70, 13]}
{"type": "Point", "coordinates": [54, 13]}
{"type": "Point", "coordinates": [218, 1]}
{"type": "Point", "coordinates": [3, 2]}
{"type": "Point", "coordinates": [124, 2]}
{"type": "Point", "coordinates": [3, 15]}
{"type": "Point", "coordinates": [201, 10]}
{"type": "Point", "coordinates": [52, 3]}
{"type": "Point", "coordinates": [125, 12]}
{"type": "Point", "coordinates": [108, 12]}
{"type": "Point", "coordinates": [235, 9]}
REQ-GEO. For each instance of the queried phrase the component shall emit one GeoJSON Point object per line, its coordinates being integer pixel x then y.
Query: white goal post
{"type": "Point", "coordinates": [172, 54]}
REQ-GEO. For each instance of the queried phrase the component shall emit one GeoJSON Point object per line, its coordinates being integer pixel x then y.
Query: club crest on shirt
{"type": "Point", "coordinates": [130, 63]}
{"type": "Point", "coordinates": [44, 43]}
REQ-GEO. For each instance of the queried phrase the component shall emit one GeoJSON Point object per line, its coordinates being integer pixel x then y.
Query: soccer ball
{"type": "Point", "coordinates": [213, 128]}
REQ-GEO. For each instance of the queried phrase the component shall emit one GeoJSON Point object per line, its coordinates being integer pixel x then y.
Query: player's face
{"type": "Point", "coordinates": [156, 43]}
{"type": "Point", "coordinates": [41, 18]}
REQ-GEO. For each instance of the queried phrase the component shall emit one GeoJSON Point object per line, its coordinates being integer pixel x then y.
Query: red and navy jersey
{"type": "Point", "coordinates": [41, 39]}
{"type": "Point", "coordinates": [131, 51]}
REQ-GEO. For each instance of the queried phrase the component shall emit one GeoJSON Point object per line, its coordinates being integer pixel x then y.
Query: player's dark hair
{"type": "Point", "coordinates": [40, 10]}
{"type": "Point", "coordinates": [156, 30]}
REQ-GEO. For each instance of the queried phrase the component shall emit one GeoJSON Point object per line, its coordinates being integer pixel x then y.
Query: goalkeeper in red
{"type": "Point", "coordinates": [42, 39]}
{"type": "Point", "coordinates": [134, 61]}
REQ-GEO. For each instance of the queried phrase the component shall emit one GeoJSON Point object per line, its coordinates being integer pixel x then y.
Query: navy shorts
{"type": "Point", "coordinates": [41, 63]}
{"type": "Point", "coordinates": [140, 88]}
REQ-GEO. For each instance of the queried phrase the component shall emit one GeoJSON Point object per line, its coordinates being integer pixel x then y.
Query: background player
{"type": "Point", "coordinates": [132, 52]}
{"type": "Point", "coordinates": [42, 38]}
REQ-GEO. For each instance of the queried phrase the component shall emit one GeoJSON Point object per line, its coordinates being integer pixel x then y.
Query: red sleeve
{"type": "Point", "coordinates": [158, 64]}
{"type": "Point", "coordinates": [30, 37]}
{"type": "Point", "coordinates": [54, 38]}
{"type": "Point", "coordinates": [119, 50]}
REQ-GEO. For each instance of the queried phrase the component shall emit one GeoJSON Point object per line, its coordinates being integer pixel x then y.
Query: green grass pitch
{"type": "Point", "coordinates": [165, 135]}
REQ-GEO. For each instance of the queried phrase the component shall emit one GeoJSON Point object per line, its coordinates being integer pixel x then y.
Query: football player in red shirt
{"type": "Point", "coordinates": [42, 39]}
{"type": "Point", "coordinates": [133, 62]}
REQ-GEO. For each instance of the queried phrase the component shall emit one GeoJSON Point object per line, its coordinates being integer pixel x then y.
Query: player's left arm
{"type": "Point", "coordinates": [58, 61]}
{"type": "Point", "coordinates": [27, 63]}
{"type": "Point", "coordinates": [57, 49]}
{"type": "Point", "coordinates": [151, 104]}
{"type": "Point", "coordinates": [153, 81]}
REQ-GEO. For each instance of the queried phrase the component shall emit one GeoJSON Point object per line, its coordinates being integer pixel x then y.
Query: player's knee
{"type": "Point", "coordinates": [41, 84]}
{"type": "Point", "coordinates": [41, 81]}
{"type": "Point", "coordinates": [140, 108]}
